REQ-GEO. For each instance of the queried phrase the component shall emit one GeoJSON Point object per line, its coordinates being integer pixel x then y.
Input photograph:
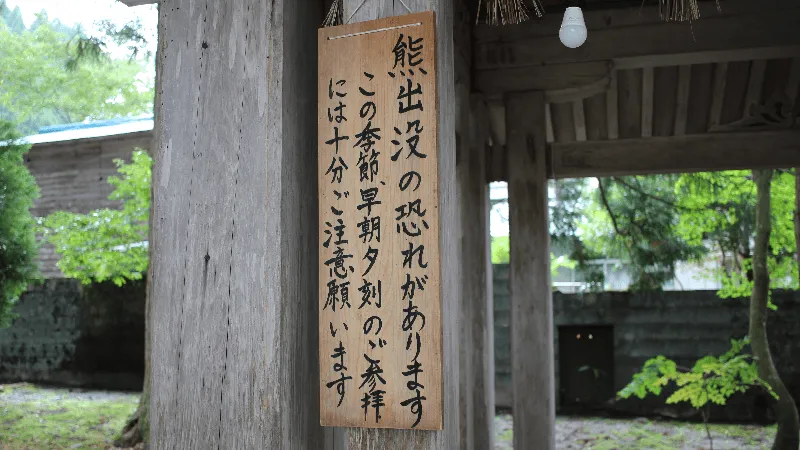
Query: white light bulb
{"type": "Point", "coordinates": [573, 28]}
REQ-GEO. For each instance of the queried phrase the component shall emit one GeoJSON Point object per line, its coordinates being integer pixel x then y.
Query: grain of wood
{"type": "Point", "coordinates": [793, 83]}
{"type": "Point", "coordinates": [548, 115]}
{"type": "Point", "coordinates": [349, 59]}
{"type": "Point", "coordinates": [735, 91]}
{"type": "Point", "coordinates": [630, 103]}
{"type": "Point", "coordinates": [699, 98]}
{"type": "Point", "coordinates": [689, 153]}
{"type": "Point", "coordinates": [579, 119]}
{"type": "Point", "coordinates": [563, 122]}
{"type": "Point", "coordinates": [664, 100]}
{"type": "Point", "coordinates": [531, 293]}
{"type": "Point", "coordinates": [596, 126]}
{"type": "Point", "coordinates": [234, 317]}
{"type": "Point", "coordinates": [755, 85]}
{"type": "Point", "coordinates": [629, 34]}
{"type": "Point", "coordinates": [612, 107]}
{"type": "Point", "coordinates": [477, 276]}
{"type": "Point", "coordinates": [361, 438]}
{"type": "Point", "coordinates": [648, 78]}
{"type": "Point", "coordinates": [682, 102]}
{"type": "Point", "coordinates": [718, 94]}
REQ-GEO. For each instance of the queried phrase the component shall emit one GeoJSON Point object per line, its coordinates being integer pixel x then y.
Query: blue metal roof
{"type": "Point", "coordinates": [94, 124]}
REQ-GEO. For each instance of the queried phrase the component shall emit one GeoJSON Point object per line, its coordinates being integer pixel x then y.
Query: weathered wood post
{"type": "Point", "coordinates": [234, 307]}
{"type": "Point", "coordinates": [478, 302]}
{"type": "Point", "coordinates": [531, 293]}
{"type": "Point", "coordinates": [448, 438]}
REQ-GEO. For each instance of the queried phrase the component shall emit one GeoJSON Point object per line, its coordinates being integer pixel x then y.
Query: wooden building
{"type": "Point", "coordinates": [234, 237]}
{"type": "Point", "coordinates": [72, 164]}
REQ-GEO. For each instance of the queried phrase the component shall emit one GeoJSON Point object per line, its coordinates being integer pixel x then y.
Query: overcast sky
{"type": "Point", "coordinates": [88, 12]}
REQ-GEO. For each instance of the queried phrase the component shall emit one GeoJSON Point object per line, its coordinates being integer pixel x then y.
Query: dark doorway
{"type": "Point", "coordinates": [586, 365]}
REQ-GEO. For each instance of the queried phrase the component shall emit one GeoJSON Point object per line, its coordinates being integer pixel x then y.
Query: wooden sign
{"type": "Point", "coordinates": [380, 300]}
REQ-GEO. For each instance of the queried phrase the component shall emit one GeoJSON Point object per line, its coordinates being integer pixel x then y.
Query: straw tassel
{"type": "Point", "coordinates": [334, 16]}
{"type": "Point", "coordinates": [507, 12]}
{"type": "Point", "coordinates": [680, 10]}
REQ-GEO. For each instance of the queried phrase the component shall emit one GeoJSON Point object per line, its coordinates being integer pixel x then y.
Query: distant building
{"type": "Point", "coordinates": [72, 163]}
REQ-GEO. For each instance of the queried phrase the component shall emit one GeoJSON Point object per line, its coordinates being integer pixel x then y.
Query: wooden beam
{"type": "Point", "coordinates": [468, 212]}
{"type": "Point", "coordinates": [579, 120]}
{"type": "Point", "coordinates": [707, 57]}
{"type": "Point", "coordinates": [477, 276]}
{"type": "Point", "coordinates": [548, 115]}
{"type": "Point", "coordinates": [755, 84]}
{"type": "Point", "coordinates": [793, 83]}
{"type": "Point", "coordinates": [648, 78]}
{"type": "Point", "coordinates": [638, 33]}
{"type": "Point", "coordinates": [612, 109]}
{"type": "Point", "coordinates": [682, 104]}
{"type": "Point", "coordinates": [449, 436]}
{"type": "Point", "coordinates": [690, 153]}
{"type": "Point", "coordinates": [718, 94]}
{"type": "Point", "coordinates": [541, 77]}
{"type": "Point", "coordinates": [531, 291]}
{"type": "Point", "coordinates": [234, 304]}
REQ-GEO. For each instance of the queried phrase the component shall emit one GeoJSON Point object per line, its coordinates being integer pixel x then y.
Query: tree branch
{"type": "Point", "coordinates": [608, 208]}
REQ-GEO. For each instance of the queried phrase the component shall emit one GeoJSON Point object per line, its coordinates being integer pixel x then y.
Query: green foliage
{"type": "Point", "coordinates": [634, 219]}
{"type": "Point", "coordinates": [19, 251]}
{"type": "Point", "coordinates": [711, 379]}
{"type": "Point", "coordinates": [501, 250]}
{"type": "Point", "coordinates": [36, 89]}
{"type": "Point", "coordinates": [501, 254]}
{"type": "Point", "coordinates": [107, 244]}
{"type": "Point", "coordinates": [719, 208]}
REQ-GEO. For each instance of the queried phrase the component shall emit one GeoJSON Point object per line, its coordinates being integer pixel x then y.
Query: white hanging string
{"type": "Point", "coordinates": [377, 30]}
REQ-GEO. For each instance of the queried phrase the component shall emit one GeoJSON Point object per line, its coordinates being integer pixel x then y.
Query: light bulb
{"type": "Point", "coordinates": [573, 28]}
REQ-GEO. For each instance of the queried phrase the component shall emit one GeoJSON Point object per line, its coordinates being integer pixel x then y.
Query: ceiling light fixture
{"type": "Point", "coordinates": [573, 29]}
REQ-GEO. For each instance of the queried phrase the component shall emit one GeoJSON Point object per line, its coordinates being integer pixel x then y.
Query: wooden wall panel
{"type": "Point", "coordinates": [665, 100]}
{"type": "Point", "coordinates": [735, 89]}
{"type": "Point", "coordinates": [699, 98]}
{"type": "Point", "coordinates": [630, 103]}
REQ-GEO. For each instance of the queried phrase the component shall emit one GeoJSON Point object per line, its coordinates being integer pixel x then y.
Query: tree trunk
{"type": "Point", "coordinates": [136, 429]}
{"type": "Point", "coordinates": [788, 435]}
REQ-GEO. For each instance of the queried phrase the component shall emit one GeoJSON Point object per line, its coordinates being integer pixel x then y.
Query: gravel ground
{"type": "Point", "coordinates": [571, 432]}
{"type": "Point", "coordinates": [10, 394]}
{"type": "Point", "coordinates": [608, 434]}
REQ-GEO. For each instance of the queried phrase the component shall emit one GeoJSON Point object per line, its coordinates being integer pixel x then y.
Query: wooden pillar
{"type": "Point", "coordinates": [234, 307]}
{"type": "Point", "coordinates": [477, 275]}
{"type": "Point", "coordinates": [531, 292]}
{"type": "Point", "coordinates": [448, 438]}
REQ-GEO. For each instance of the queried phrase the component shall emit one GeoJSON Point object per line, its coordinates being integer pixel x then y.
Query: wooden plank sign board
{"type": "Point", "coordinates": [380, 300]}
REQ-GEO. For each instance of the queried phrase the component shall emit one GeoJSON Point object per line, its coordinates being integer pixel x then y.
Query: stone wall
{"type": "Point", "coordinates": [682, 325]}
{"type": "Point", "coordinates": [72, 335]}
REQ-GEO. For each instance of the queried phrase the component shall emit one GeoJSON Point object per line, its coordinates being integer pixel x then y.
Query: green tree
{"type": "Point", "coordinates": [41, 83]}
{"type": "Point", "coordinates": [12, 18]}
{"type": "Point", "coordinates": [719, 209]}
{"type": "Point", "coordinates": [750, 218]}
{"type": "Point", "coordinates": [710, 380]}
{"type": "Point", "coordinates": [788, 434]}
{"type": "Point", "coordinates": [19, 251]}
{"type": "Point", "coordinates": [107, 244]}
{"type": "Point", "coordinates": [110, 244]}
{"type": "Point", "coordinates": [634, 219]}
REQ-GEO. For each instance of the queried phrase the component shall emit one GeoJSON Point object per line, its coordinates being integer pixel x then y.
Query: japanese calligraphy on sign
{"type": "Point", "coordinates": [380, 322]}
